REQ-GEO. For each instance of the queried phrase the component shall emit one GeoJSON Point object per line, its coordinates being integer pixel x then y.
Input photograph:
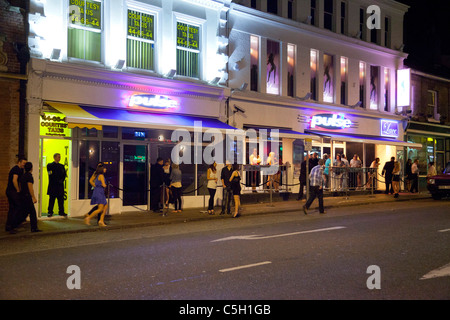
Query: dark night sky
{"type": "Point", "coordinates": [427, 36]}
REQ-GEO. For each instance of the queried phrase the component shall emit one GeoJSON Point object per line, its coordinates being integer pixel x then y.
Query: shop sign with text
{"type": "Point", "coordinates": [389, 128]}
{"type": "Point", "coordinates": [152, 101]}
{"type": "Point", "coordinates": [330, 121]}
{"type": "Point", "coordinates": [54, 125]}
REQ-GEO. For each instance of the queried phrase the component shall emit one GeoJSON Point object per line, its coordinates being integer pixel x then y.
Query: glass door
{"type": "Point", "coordinates": [135, 175]}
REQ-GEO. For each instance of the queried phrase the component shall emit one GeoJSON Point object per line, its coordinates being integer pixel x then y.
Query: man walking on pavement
{"type": "Point", "coordinates": [315, 187]}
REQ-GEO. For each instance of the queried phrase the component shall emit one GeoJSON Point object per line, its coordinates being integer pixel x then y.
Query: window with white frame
{"type": "Point", "coordinates": [432, 104]}
{"type": "Point", "coordinates": [85, 30]}
{"type": "Point", "coordinates": [188, 50]}
{"type": "Point", "coordinates": [140, 40]}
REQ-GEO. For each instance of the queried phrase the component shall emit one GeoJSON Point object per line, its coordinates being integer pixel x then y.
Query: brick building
{"type": "Point", "coordinates": [13, 63]}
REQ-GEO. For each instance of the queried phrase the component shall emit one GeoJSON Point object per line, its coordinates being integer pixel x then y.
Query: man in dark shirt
{"type": "Point", "coordinates": [56, 177]}
{"type": "Point", "coordinates": [387, 172]}
{"type": "Point", "coordinates": [27, 197]}
{"type": "Point", "coordinates": [227, 195]}
{"type": "Point", "coordinates": [14, 217]}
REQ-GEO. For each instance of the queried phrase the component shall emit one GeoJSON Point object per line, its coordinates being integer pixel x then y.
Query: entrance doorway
{"type": "Point", "coordinates": [135, 175]}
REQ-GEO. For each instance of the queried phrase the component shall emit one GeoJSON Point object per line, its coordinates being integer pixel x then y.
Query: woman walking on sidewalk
{"type": "Point", "coordinates": [98, 196]}
{"type": "Point", "coordinates": [211, 176]}
{"type": "Point", "coordinates": [396, 178]}
{"type": "Point", "coordinates": [235, 180]}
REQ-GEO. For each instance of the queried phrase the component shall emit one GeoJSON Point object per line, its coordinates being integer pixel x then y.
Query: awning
{"type": "Point", "coordinates": [286, 133]}
{"type": "Point", "coordinates": [87, 116]}
{"type": "Point", "coordinates": [367, 139]}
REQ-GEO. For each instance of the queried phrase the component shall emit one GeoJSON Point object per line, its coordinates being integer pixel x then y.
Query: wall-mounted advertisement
{"type": "Point", "coordinates": [403, 87]}
{"type": "Point", "coordinates": [273, 67]}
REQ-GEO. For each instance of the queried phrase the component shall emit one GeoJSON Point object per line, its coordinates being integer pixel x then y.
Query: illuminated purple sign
{"type": "Point", "coordinates": [330, 121]}
{"type": "Point", "coordinates": [389, 128]}
{"type": "Point", "coordinates": [152, 101]}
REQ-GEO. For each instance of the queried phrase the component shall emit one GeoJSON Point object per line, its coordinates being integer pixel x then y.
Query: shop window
{"type": "Point", "coordinates": [89, 158]}
{"type": "Point", "coordinates": [273, 67]}
{"type": "Point", "coordinates": [110, 157]}
{"type": "Point", "coordinates": [291, 50]}
{"type": "Point", "coordinates": [188, 50]}
{"type": "Point", "coordinates": [313, 76]}
{"type": "Point", "coordinates": [140, 40]}
{"type": "Point", "coordinates": [254, 62]}
{"type": "Point", "coordinates": [85, 30]}
{"type": "Point", "coordinates": [328, 78]}
{"type": "Point", "coordinates": [344, 74]}
{"type": "Point", "coordinates": [110, 132]}
{"type": "Point", "coordinates": [85, 132]}
{"type": "Point", "coordinates": [328, 15]}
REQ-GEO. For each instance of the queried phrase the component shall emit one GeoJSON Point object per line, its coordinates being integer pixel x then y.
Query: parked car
{"type": "Point", "coordinates": [439, 185]}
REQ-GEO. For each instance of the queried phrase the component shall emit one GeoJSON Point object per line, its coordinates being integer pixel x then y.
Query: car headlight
{"type": "Point", "coordinates": [431, 181]}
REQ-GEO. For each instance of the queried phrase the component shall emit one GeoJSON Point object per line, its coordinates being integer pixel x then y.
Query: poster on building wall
{"type": "Point", "coordinates": [273, 67]}
{"type": "Point", "coordinates": [328, 78]}
{"type": "Point", "coordinates": [140, 25]}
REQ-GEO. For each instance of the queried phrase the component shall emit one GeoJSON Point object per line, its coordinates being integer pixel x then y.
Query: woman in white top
{"type": "Point", "coordinates": [254, 174]}
{"type": "Point", "coordinates": [211, 176]}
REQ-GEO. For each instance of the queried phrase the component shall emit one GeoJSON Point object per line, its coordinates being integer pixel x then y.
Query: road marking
{"type": "Point", "coordinates": [246, 266]}
{"type": "Point", "coordinates": [444, 230]}
{"type": "Point", "coordinates": [439, 272]}
{"type": "Point", "coordinates": [258, 237]}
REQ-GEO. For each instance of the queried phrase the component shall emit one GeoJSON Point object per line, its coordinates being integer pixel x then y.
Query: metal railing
{"type": "Point", "coordinates": [351, 179]}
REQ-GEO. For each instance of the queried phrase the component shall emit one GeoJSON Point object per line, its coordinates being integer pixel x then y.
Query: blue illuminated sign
{"type": "Point", "coordinates": [389, 128]}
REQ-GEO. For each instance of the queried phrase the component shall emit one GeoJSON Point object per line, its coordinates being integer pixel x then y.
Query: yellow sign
{"type": "Point", "coordinates": [49, 148]}
{"type": "Point", "coordinates": [54, 125]}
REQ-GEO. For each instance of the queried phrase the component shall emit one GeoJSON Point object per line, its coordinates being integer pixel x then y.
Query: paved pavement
{"type": "Point", "coordinates": [58, 225]}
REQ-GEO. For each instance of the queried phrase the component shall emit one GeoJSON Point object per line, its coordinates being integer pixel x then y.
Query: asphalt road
{"type": "Point", "coordinates": [361, 252]}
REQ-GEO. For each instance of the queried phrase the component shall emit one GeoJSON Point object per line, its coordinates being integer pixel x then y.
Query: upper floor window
{"type": "Point", "coordinates": [272, 6]}
{"type": "Point", "coordinates": [362, 21]}
{"type": "Point", "coordinates": [188, 50]}
{"type": "Point", "coordinates": [343, 17]}
{"type": "Point", "coordinates": [328, 78]}
{"type": "Point", "coordinates": [312, 17]}
{"type": "Point", "coordinates": [387, 32]}
{"type": "Point", "coordinates": [85, 30]}
{"type": "Point", "coordinates": [291, 50]}
{"type": "Point", "coordinates": [362, 84]}
{"type": "Point", "coordinates": [254, 62]}
{"type": "Point", "coordinates": [140, 40]}
{"type": "Point", "coordinates": [328, 15]}
{"type": "Point", "coordinates": [313, 73]}
{"type": "Point", "coordinates": [432, 111]}
{"type": "Point", "coordinates": [273, 67]}
{"type": "Point", "coordinates": [344, 78]}
{"type": "Point", "coordinates": [387, 90]}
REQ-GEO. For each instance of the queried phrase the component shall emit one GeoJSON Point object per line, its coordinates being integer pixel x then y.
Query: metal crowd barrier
{"type": "Point", "coordinates": [344, 179]}
{"type": "Point", "coordinates": [262, 177]}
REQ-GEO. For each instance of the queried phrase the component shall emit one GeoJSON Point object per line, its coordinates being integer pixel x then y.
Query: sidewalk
{"type": "Point", "coordinates": [60, 225]}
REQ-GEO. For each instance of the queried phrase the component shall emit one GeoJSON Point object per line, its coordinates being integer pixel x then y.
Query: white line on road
{"type": "Point", "coordinates": [246, 266]}
{"type": "Point", "coordinates": [444, 230]}
{"type": "Point", "coordinates": [257, 237]}
{"type": "Point", "coordinates": [439, 272]}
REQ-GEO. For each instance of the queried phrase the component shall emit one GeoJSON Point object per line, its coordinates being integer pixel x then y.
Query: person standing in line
{"type": "Point", "coordinates": [372, 174]}
{"type": "Point", "coordinates": [337, 172]}
{"type": "Point", "coordinates": [254, 175]}
{"type": "Point", "coordinates": [415, 176]}
{"type": "Point", "coordinates": [15, 216]}
{"type": "Point", "coordinates": [225, 175]}
{"type": "Point", "coordinates": [315, 187]}
{"type": "Point", "coordinates": [302, 178]}
{"type": "Point", "coordinates": [98, 196]}
{"type": "Point", "coordinates": [396, 178]}
{"type": "Point", "coordinates": [175, 185]}
{"type": "Point", "coordinates": [165, 190]}
{"type": "Point", "coordinates": [235, 181]}
{"type": "Point", "coordinates": [355, 178]}
{"type": "Point", "coordinates": [56, 177]}
{"type": "Point", "coordinates": [408, 175]}
{"type": "Point", "coordinates": [211, 176]}
{"type": "Point", "coordinates": [326, 171]}
{"type": "Point", "coordinates": [345, 165]}
{"type": "Point", "coordinates": [387, 173]}
{"type": "Point", "coordinates": [27, 197]}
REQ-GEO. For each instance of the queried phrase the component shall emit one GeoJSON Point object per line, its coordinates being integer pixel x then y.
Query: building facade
{"type": "Point", "coordinates": [13, 62]}
{"type": "Point", "coordinates": [113, 80]}
{"type": "Point", "coordinates": [429, 122]}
